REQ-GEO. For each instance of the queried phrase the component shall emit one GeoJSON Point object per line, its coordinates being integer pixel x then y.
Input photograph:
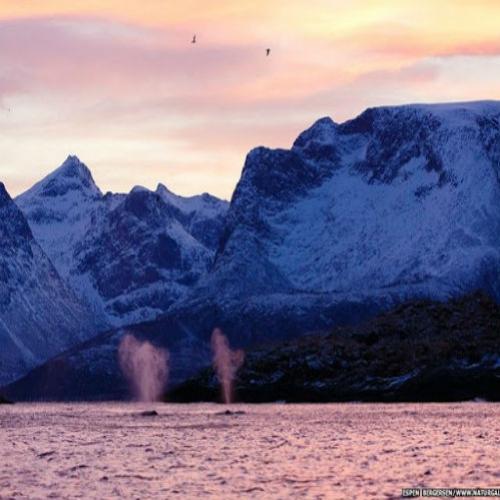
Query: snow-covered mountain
{"type": "Point", "coordinates": [399, 203]}
{"type": "Point", "coordinates": [39, 314]}
{"type": "Point", "coordinates": [129, 256]}
{"type": "Point", "coordinates": [401, 199]}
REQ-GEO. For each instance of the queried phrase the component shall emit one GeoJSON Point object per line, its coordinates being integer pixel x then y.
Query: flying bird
{"type": "Point", "coordinates": [194, 39]}
{"type": "Point", "coordinates": [268, 51]}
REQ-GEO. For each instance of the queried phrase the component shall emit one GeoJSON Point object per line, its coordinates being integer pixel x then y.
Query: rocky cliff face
{"type": "Point", "coordinates": [40, 316]}
{"type": "Point", "coordinates": [400, 200]}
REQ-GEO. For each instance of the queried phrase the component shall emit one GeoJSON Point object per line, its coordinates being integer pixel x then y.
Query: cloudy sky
{"type": "Point", "coordinates": [118, 83]}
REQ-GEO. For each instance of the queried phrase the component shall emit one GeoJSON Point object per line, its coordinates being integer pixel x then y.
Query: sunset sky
{"type": "Point", "coordinates": [118, 83]}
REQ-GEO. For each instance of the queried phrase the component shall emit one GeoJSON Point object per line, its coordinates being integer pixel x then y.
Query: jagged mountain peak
{"type": "Point", "coordinates": [161, 188]}
{"type": "Point", "coordinates": [72, 177]}
{"type": "Point", "coordinates": [322, 130]}
{"type": "Point", "coordinates": [73, 167]}
{"type": "Point", "coordinates": [204, 202]}
{"type": "Point", "coordinates": [145, 205]}
{"type": "Point", "coordinates": [278, 175]}
{"type": "Point", "coordinates": [143, 202]}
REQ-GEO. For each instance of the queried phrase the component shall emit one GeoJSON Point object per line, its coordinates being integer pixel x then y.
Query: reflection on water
{"type": "Point", "coordinates": [254, 451]}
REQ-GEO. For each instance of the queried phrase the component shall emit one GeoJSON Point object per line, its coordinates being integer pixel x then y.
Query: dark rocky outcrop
{"type": "Point", "coordinates": [419, 351]}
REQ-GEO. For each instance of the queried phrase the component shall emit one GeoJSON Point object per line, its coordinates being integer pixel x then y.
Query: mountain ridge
{"type": "Point", "coordinates": [398, 203]}
{"type": "Point", "coordinates": [126, 255]}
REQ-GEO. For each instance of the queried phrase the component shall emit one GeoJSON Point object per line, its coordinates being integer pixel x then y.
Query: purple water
{"type": "Point", "coordinates": [279, 451]}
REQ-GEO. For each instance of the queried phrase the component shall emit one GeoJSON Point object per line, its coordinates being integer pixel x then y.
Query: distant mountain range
{"type": "Point", "coordinates": [399, 203]}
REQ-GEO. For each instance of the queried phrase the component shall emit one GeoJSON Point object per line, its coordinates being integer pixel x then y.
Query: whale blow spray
{"type": "Point", "coordinates": [145, 367]}
{"type": "Point", "coordinates": [226, 363]}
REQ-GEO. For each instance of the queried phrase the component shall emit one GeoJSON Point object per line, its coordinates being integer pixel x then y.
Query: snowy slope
{"type": "Point", "coordinates": [403, 199]}
{"type": "Point", "coordinates": [128, 256]}
{"type": "Point", "coordinates": [39, 314]}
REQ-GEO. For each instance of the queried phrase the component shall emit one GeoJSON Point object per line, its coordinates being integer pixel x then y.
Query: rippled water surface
{"type": "Point", "coordinates": [259, 451]}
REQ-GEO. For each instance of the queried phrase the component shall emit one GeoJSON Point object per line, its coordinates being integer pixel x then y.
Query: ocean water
{"type": "Point", "coordinates": [111, 450]}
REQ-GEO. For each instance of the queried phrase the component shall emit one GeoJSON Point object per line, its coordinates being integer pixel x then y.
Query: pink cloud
{"type": "Point", "coordinates": [71, 55]}
{"type": "Point", "coordinates": [8, 87]}
{"type": "Point", "coordinates": [479, 48]}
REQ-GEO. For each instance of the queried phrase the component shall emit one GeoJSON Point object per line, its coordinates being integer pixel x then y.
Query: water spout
{"type": "Point", "coordinates": [145, 367]}
{"type": "Point", "coordinates": [226, 363]}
